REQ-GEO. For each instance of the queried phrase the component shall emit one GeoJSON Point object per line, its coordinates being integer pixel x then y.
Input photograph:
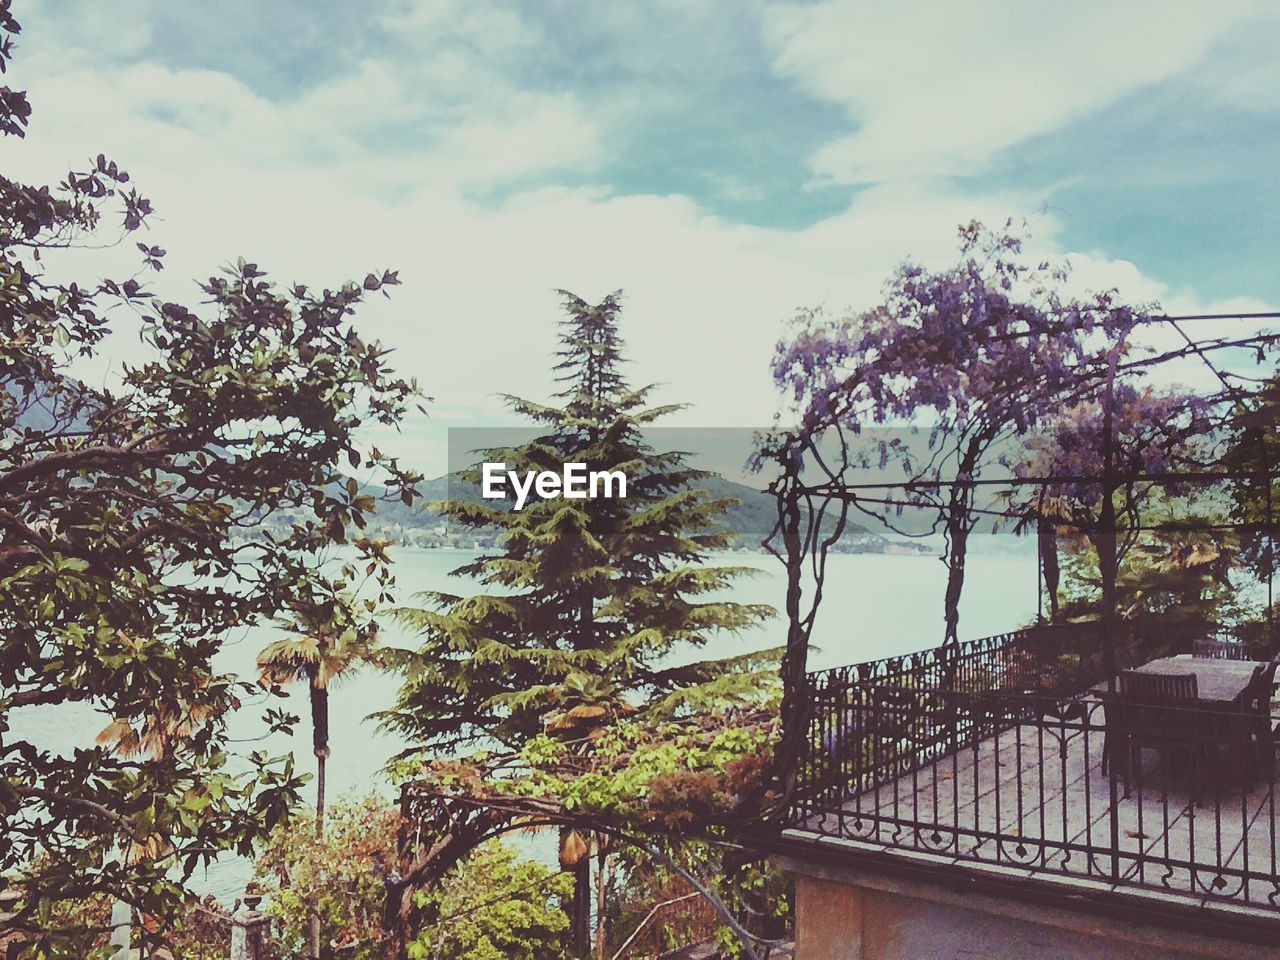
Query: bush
{"type": "Point", "coordinates": [494, 906]}
{"type": "Point", "coordinates": [339, 876]}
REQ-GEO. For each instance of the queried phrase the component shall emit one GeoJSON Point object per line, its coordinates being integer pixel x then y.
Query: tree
{"type": "Point", "coordinates": [973, 356]}
{"type": "Point", "coordinates": [663, 803]}
{"type": "Point", "coordinates": [978, 352]}
{"type": "Point", "coordinates": [1254, 453]}
{"type": "Point", "coordinates": [322, 652]}
{"type": "Point", "coordinates": [1175, 546]}
{"type": "Point", "coordinates": [590, 597]}
{"type": "Point", "coordinates": [129, 546]}
{"type": "Point", "coordinates": [337, 877]}
{"type": "Point", "coordinates": [494, 906]}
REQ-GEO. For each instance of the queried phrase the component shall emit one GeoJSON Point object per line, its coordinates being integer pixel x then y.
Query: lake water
{"type": "Point", "coordinates": [873, 606]}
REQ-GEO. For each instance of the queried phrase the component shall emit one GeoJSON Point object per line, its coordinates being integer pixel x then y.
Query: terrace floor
{"type": "Point", "coordinates": [1032, 801]}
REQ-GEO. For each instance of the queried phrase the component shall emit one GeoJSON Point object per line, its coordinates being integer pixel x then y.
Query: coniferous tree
{"type": "Point", "coordinates": [587, 601]}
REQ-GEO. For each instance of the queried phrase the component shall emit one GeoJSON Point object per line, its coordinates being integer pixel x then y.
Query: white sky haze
{"type": "Point", "coordinates": [723, 162]}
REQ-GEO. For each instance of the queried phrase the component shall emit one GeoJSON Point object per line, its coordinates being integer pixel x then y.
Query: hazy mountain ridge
{"type": "Point", "coordinates": [751, 518]}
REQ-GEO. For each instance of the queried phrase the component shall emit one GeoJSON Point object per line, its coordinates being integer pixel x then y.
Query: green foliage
{"type": "Point", "coordinates": [199, 930]}
{"type": "Point", "coordinates": [86, 922]}
{"type": "Point", "coordinates": [588, 599]}
{"type": "Point", "coordinates": [127, 515]}
{"type": "Point", "coordinates": [643, 775]}
{"type": "Point", "coordinates": [646, 796]}
{"type": "Point", "coordinates": [1173, 588]}
{"type": "Point", "coordinates": [337, 876]}
{"type": "Point", "coordinates": [576, 658]}
{"type": "Point", "coordinates": [1255, 448]}
{"type": "Point", "coordinates": [494, 906]}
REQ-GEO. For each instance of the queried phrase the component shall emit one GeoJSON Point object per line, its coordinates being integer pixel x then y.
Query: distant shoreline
{"type": "Point", "coordinates": [881, 547]}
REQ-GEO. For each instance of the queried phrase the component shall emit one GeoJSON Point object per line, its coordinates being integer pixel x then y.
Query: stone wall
{"type": "Point", "coordinates": [842, 915]}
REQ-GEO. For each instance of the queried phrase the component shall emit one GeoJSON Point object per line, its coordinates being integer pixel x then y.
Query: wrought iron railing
{"type": "Point", "coordinates": [884, 716]}
{"type": "Point", "coordinates": [998, 753]}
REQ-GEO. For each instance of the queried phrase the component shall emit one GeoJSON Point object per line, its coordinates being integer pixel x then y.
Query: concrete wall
{"type": "Point", "coordinates": [873, 918]}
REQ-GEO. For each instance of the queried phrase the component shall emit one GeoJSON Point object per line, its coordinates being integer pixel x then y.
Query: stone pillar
{"type": "Point", "coordinates": [829, 920]}
{"type": "Point", "coordinates": [121, 929]}
{"type": "Point", "coordinates": [249, 932]}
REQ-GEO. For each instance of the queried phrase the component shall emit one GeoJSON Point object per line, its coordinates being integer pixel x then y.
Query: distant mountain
{"type": "Point", "coordinates": [751, 519]}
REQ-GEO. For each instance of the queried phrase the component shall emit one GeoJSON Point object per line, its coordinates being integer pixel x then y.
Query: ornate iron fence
{"type": "Point", "coordinates": [883, 716]}
{"type": "Point", "coordinates": [998, 753]}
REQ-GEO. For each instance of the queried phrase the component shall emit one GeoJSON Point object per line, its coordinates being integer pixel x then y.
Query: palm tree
{"type": "Point", "coordinates": [319, 655]}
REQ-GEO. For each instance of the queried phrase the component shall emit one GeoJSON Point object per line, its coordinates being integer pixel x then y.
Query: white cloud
{"type": "Point", "coordinates": [1244, 73]}
{"type": "Point", "coordinates": [369, 169]}
{"type": "Point", "coordinates": [490, 29]}
{"type": "Point", "coordinates": [940, 93]}
{"type": "Point", "coordinates": [445, 114]}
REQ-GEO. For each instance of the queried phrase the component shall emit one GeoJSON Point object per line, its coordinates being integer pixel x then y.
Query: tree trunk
{"type": "Point", "coordinates": [578, 909]}
{"type": "Point", "coordinates": [958, 536]}
{"type": "Point", "coordinates": [1047, 532]}
{"type": "Point", "coordinates": [959, 524]}
{"type": "Point", "coordinates": [1105, 544]}
{"type": "Point", "coordinates": [320, 742]}
{"type": "Point", "coordinates": [580, 912]}
{"type": "Point", "coordinates": [319, 718]}
{"type": "Point", "coordinates": [320, 762]}
{"type": "Point", "coordinates": [796, 702]}
{"type": "Point", "coordinates": [582, 907]}
{"type": "Point", "coordinates": [602, 893]}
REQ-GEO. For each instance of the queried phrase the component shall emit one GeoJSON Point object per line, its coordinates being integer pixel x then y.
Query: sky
{"type": "Point", "coordinates": [723, 162]}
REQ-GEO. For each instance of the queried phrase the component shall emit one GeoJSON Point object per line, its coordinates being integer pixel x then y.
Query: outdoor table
{"type": "Point", "coordinates": [1219, 683]}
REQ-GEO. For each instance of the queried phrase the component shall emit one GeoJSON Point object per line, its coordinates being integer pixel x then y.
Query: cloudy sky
{"type": "Point", "coordinates": [724, 162]}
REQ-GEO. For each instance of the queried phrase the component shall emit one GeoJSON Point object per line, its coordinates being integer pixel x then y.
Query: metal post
{"type": "Point", "coordinates": [1107, 563]}
{"type": "Point", "coordinates": [1271, 542]}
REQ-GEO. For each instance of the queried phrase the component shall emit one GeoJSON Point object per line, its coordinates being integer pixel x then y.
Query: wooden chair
{"type": "Point", "coordinates": [1155, 710]}
{"type": "Point", "coordinates": [1219, 650]}
{"type": "Point", "coordinates": [1250, 732]}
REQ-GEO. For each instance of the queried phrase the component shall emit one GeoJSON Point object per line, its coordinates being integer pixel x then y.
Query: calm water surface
{"type": "Point", "coordinates": [873, 606]}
